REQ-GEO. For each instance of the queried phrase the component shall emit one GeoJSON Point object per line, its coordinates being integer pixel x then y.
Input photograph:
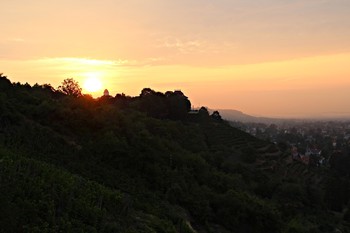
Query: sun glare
{"type": "Point", "coordinates": [92, 84]}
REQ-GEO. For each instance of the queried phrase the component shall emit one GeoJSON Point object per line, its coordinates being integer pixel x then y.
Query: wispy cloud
{"type": "Point", "coordinates": [181, 45]}
{"type": "Point", "coordinates": [78, 63]}
{"type": "Point", "coordinates": [16, 40]}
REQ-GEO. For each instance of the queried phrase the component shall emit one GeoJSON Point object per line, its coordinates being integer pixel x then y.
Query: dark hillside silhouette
{"type": "Point", "coordinates": [72, 163]}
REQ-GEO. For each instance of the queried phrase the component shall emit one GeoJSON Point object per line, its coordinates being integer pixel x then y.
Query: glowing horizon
{"type": "Point", "coordinates": [268, 58]}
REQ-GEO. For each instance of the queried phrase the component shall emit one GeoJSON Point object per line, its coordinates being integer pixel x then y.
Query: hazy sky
{"type": "Point", "coordinates": [263, 57]}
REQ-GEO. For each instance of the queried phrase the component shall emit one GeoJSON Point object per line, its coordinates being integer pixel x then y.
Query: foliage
{"type": "Point", "coordinates": [70, 87]}
{"type": "Point", "coordinates": [144, 164]}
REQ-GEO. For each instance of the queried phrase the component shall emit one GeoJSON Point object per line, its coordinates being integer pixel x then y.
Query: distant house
{"type": "Point", "coordinates": [305, 159]}
{"type": "Point", "coordinates": [313, 152]}
{"type": "Point", "coordinates": [193, 112]}
{"type": "Point", "coordinates": [312, 156]}
{"type": "Point", "coordinates": [295, 153]}
{"type": "Point", "coordinates": [106, 93]}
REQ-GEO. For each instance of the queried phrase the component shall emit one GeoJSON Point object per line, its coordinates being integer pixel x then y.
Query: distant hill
{"type": "Point", "coordinates": [71, 163]}
{"type": "Point", "coordinates": [235, 115]}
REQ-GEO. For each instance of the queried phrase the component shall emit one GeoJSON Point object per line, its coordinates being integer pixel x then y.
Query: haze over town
{"type": "Point", "coordinates": [266, 58]}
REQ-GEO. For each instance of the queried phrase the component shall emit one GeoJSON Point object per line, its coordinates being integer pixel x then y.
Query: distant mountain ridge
{"type": "Point", "coordinates": [235, 115]}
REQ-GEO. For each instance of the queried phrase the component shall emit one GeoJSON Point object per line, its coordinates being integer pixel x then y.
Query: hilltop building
{"type": "Point", "coordinates": [106, 93]}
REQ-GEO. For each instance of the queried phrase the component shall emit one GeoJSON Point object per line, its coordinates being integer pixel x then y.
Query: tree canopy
{"type": "Point", "coordinates": [145, 164]}
{"type": "Point", "coordinates": [70, 87]}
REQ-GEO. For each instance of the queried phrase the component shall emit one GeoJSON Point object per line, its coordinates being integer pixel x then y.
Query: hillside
{"type": "Point", "coordinates": [235, 115]}
{"type": "Point", "coordinates": [71, 163]}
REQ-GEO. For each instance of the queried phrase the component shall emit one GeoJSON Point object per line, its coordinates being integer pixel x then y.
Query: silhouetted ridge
{"type": "Point", "coordinates": [71, 163]}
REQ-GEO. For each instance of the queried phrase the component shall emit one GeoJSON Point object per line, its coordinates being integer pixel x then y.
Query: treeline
{"type": "Point", "coordinates": [71, 163]}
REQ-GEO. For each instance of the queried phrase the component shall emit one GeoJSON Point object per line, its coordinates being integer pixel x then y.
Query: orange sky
{"type": "Point", "coordinates": [269, 57]}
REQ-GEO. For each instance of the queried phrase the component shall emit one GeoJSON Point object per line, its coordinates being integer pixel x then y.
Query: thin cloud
{"type": "Point", "coordinates": [76, 63]}
{"type": "Point", "coordinates": [182, 46]}
{"type": "Point", "coordinates": [16, 40]}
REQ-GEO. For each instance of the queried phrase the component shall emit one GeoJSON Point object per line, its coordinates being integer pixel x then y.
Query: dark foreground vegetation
{"type": "Point", "coordinates": [71, 163]}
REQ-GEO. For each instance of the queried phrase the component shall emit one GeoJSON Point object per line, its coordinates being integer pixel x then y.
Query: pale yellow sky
{"type": "Point", "coordinates": [266, 57]}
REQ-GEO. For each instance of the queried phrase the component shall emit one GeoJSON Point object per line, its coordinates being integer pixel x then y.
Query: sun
{"type": "Point", "coordinates": [92, 84]}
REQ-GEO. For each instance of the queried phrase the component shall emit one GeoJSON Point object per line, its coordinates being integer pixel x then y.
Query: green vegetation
{"type": "Point", "coordinates": [70, 163]}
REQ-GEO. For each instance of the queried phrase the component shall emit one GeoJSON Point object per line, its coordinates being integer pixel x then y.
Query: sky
{"type": "Point", "coordinates": [281, 58]}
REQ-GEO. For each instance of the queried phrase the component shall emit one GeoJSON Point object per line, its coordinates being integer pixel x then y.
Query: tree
{"type": "Point", "coordinates": [70, 87]}
{"type": "Point", "coordinates": [216, 115]}
{"type": "Point", "coordinates": [5, 84]}
{"type": "Point", "coordinates": [178, 105]}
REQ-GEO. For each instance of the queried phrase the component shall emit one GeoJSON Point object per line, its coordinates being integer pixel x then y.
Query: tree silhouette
{"type": "Point", "coordinates": [70, 87]}
{"type": "Point", "coordinates": [216, 115]}
{"type": "Point", "coordinates": [4, 82]}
